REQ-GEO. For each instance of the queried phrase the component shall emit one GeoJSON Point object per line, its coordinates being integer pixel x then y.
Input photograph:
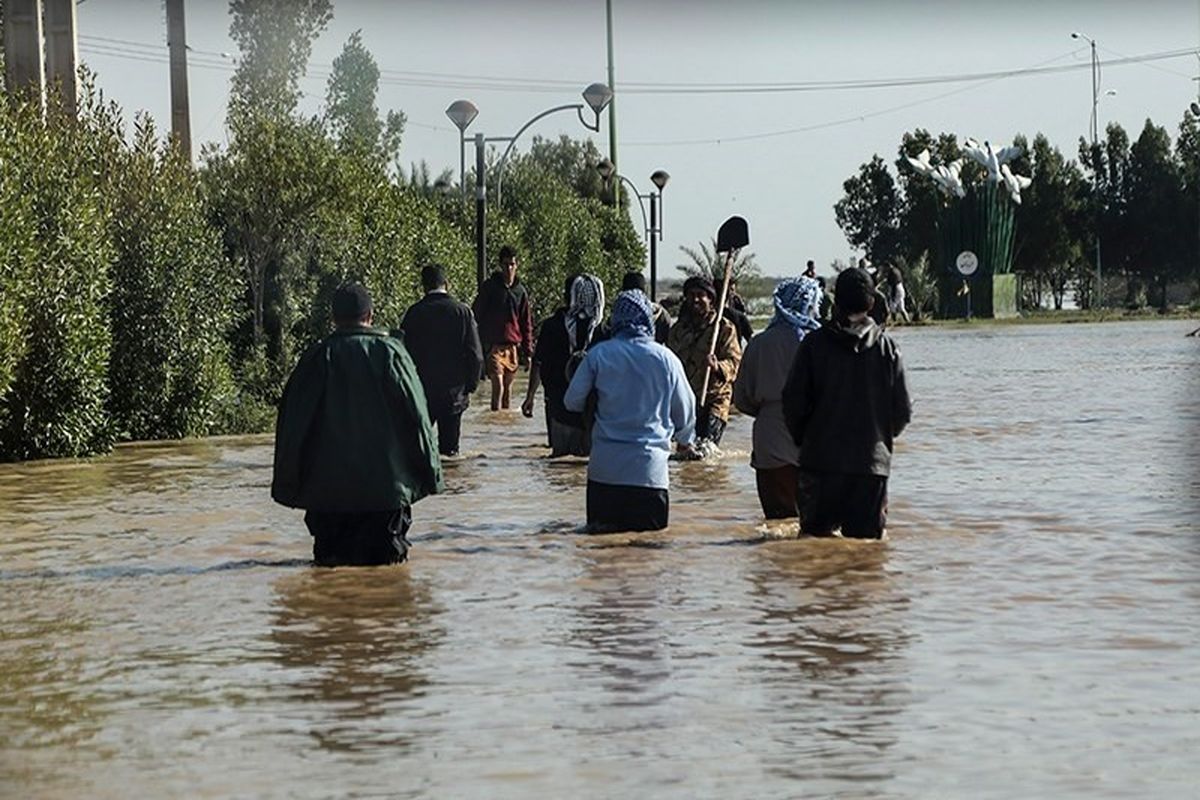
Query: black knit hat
{"type": "Point", "coordinates": [700, 282]}
{"type": "Point", "coordinates": [633, 280]}
{"type": "Point", "coordinates": [351, 303]}
{"type": "Point", "coordinates": [853, 291]}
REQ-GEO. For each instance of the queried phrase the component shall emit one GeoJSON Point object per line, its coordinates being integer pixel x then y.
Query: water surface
{"type": "Point", "coordinates": [1031, 628]}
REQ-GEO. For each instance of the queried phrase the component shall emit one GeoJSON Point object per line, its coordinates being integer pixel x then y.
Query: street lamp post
{"type": "Point", "coordinates": [653, 225]}
{"type": "Point", "coordinates": [462, 113]}
{"type": "Point", "coordinates": [1095, 156]}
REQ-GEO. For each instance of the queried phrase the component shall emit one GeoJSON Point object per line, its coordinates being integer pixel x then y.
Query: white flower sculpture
{"type": "Point", "coordinates": [948, 177]}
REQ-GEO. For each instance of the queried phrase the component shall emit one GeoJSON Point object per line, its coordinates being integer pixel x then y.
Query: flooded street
{"type": "Point", "coordinates": [1030, 629]}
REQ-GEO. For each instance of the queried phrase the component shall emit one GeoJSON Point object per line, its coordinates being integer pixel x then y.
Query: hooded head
{"type": "Point", "coordinates": [632, 315]}
{"type": "Point", "coordinates": [585, 306]}
{"type": "Point", "coordinates": [797, 301]}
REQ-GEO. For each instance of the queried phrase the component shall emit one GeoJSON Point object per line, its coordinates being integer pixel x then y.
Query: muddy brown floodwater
{"type": "Point", "coordinates": [1031, 628]}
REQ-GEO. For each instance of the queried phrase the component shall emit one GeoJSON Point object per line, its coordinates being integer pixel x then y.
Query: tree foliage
{"type": "Point", "coordinates": [351, 113]}
{"type": "Point", "coordinates": [275, 39]}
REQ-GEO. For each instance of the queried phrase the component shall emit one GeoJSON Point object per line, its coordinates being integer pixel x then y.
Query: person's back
{"type": "Point", "coordinates": [642, 402]}
{"type": "Point", "coordinates": [845, 401]}
{"type": "Point", "coordinates": [353, 445]}
{"type": "Point", "coordinates": [441, 336]}
{"type": "Point", "coordinates": [758, 392]}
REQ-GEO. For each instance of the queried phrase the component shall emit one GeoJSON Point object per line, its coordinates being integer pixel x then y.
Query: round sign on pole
{"type": "Point", "coordinates": [967, 262]}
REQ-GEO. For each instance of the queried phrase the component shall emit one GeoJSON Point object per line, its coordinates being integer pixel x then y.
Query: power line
{"type": "Point", "coordinates": [516, 84]}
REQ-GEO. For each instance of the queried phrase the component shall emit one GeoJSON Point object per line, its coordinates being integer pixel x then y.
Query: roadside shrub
{"type": "Point", "coordinates": [55, 402]}
{"type": "Point", "coordinates": [171, 300]}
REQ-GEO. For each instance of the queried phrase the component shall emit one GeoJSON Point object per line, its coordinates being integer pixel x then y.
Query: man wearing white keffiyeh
{"type": "Point", "coordinates": [758, 393]}
{"type": "Point", "coordinates": [563, 340]}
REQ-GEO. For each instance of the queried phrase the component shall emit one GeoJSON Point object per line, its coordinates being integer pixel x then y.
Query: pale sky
{"type": "Point", "coordinates": [777, 158]}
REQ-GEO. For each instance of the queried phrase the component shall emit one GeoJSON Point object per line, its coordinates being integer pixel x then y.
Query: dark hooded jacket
{"type": "Point", "coordinates": [846, 399]}
{"type": "Point", "coordinates": [353, 432]}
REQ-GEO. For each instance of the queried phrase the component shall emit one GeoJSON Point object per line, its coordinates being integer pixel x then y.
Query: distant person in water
{"type": "Point", "coordinates": [826, 310]}
{"type": "Point", "coordinates": [690, 339]}
{"type": "Point", "coordinates": [758, 393]}
{"type": "Point", "coordinates": [879, 307]}
{"type": "Point", "coordinates": [844, 403]}
{"type": "Point", "coordinates": [505, 321]}
{"type": "Point", "coordinates": [442, 338]}
{"type": "Point", "coordinates": [353, 444]}
{"type": "Point", "coordinates": [662, 318]}
{"type": "Point", "coordinates": [896, 296]}
{"type": "Point", "coordinates": [642, 401]}
{"type": "Point", "coordinates": [561, 344]}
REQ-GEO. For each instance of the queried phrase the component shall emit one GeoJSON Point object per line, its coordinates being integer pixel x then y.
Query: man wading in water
{"type": "Point", "coordinates": [441, 337]}
{"type": "Point", "coordinates": [505, 326]}
{"type": "Point", "coordinates": [643, 401]}
{"type": "Point", "coordinates": [690, 339]}
{"type": "Point", "coordinates": [353, 445]}
{"type": "Point", "coordinates": [563, 340]}
{"type": "Point", "coordinates": [844, 401]}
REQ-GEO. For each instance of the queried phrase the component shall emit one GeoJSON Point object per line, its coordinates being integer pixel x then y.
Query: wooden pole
{"type": "Point", "coordinates": [181, 119]}
{"type": "Point", "coordinates": [62, 53]}
{"type": "Point", "coordinates": [23, 54]}
{"type": "Point", "coordinates": [712, 345]}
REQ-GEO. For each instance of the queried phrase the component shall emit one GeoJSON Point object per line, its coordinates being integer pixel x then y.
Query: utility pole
{"type": "Point", "coordinates": [23, 54]}
{"type": "Point", "coordinates": [181, 119]}
{"type": "Point", "coordinates": [62, 53]}
{"type": "Point", "coordinates": [612, 105]}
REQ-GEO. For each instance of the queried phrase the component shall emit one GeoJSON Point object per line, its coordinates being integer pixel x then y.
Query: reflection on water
{"type": "Point", "coordinates": [353, 642]}
{"type": "Point", "coordinates": [1031, 628]}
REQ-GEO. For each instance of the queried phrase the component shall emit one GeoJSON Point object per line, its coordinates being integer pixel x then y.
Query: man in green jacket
{"type": "Point", "coordinates": [353, 444]}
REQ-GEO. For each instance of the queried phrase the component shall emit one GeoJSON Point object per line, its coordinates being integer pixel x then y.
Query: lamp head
{"type": "Point", "coordinates": [462, 113]}
{"type": "Point", "coordinates": [597, 96]}
{"type": "Point", "coordinates": [605, 168]}
{"type": "Point", "coordinates": [659, 178]}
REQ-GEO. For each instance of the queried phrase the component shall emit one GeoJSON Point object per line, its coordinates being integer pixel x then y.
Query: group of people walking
{"type": "Point", "coordinates": [355, 445]}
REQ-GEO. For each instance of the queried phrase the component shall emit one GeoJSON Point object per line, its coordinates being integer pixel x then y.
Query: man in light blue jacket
{"type": "Point", "coordinates": [642, 402]}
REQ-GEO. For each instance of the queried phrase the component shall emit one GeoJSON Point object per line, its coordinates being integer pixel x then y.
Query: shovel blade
{"type": "Point", "coordinates": [733, 234]}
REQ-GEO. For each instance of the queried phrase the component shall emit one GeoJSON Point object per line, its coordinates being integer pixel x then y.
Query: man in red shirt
{"type": "Point", "coordinates": [505, 326]}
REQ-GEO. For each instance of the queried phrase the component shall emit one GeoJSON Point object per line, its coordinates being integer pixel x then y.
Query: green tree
{"type": "Point", "coordinates": [573, 162]}
{"type": "Point", "coordinates": [1048, 248]}
{"type": "Point", "coordinates": [1155, 212]}
{"type": "Point", "coordinates": [351, 113]}
{"type": "Point", "coordinates": [52, 402]}
{"type": "Point", "coordinates": [1187, 153]}
{"type": "Point", "coordinates": [1108, 166]}
{"type": "Point", "coordinates": [275, 38]}
{"type": "Point", "coordinates": [869, 212]}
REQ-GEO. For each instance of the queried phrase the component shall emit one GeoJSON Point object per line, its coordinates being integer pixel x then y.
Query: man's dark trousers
{"type": "Point", "coordinates": [359, 539]}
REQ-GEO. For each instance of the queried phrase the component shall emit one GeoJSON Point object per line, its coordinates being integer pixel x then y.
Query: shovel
{"type": "Point", "coordinates": [733, 235]}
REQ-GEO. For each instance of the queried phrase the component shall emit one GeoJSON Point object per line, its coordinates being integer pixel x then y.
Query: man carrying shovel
{"type": "Point", "coordinates": [691, 339]}
{"type": "Point", "coordinates": [707, 343]}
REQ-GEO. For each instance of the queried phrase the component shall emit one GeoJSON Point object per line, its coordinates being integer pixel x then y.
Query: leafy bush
{"type": "Point", "coordinates": [171, 300]}
{"type": "Point", "coordinates": [54, 401]}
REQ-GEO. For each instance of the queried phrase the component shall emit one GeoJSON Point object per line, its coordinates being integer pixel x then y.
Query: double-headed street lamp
{"type": "Point", "coordinates": [463, 112]}
{"type": "Point", "coordinates": [653, 225]}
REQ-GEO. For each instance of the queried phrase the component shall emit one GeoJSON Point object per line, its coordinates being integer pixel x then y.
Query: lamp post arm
{"type": "Point", "coordinates": [512, 141]}
{"type": "Point", "coordinates": [641, 203]}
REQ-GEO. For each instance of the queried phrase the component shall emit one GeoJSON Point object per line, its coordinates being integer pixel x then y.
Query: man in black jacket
{"type": "Point", "coordinates": [441, 336]}
{"type": "Point", "coordinates": [844, 402]}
